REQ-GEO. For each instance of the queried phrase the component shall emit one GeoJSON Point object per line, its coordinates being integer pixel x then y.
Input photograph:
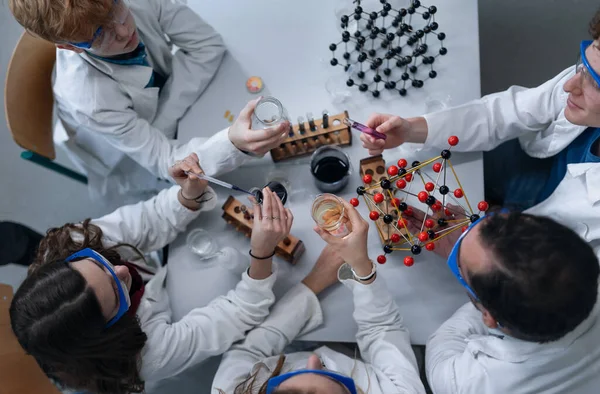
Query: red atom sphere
{"type": "Point", "coordinates": [409, 261]}
{"type": "Point", "coordinates": [378, 198]}
{"type": "Point", "coordinates": [381, 259]}
{"type": "Point", "coordinates": [408, 177]}
{"type": "Point", "coordinates": [437, 167]}
{"type": "Point", "coordinates": [402, 163]}
{"type": "Point", "coordinates": [447, 212]}
{"type": "Point", "coordinates": [409, 211]}
{"type": "Point", "coordinates": [458, 193]}
{"type": "Point", "coordinates": [367, 179]}
{"type": "Point", "coordinates": [464, 228]}
{"type": "Point", "coordinates": [437, 206]}
{"type": "Point", "coordinates": [453, 140]}
{"type": "Point", "coordinates": [402, 222]}
{"type": "Point", "coordinates": [422, 196]}
{"type": "Point", "coordinates": [395, 202]}
{"type": "Point", "coordinates": [430, 246]}
{"type": "Point", "coordinates": [429, 186]}
{"type": "Point", "coordinates": [374, 215]}
{"type": "Point", "coordinates": [429, 223]}
{"type": "Point", "coordinates": [423, 236]}
{"type": "Point", "coordinates": [400, 183]}
{"type": "Point", "coordinates": [483, 206]}
{"type": "Point", "coordinates": [354, 202]}
{"type": "Point", "coordinates": [395, 238]}
{"type": "Point", "coordinates": [392, 170]}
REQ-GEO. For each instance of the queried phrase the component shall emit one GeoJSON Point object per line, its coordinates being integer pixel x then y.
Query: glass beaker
{"type": "Point", "coordinates": [328, 212]}
{"type": "Point", "coordinates": [330, 168]}
{"type": "Point", "coordinates": [202, 244]}
{"type": "Point", "coordinates": [269, 112]}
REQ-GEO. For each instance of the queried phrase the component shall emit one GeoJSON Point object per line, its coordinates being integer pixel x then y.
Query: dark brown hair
{"type": "Point", "coordinates": [57, 318]}
{"type": "Point", "coordinates": [595, 26]}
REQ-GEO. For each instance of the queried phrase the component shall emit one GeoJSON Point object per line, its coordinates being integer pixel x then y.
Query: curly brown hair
{"type": "Point", "coordinates": [57, 318]}
{"type": "Point", "coordinates": [594, 28]}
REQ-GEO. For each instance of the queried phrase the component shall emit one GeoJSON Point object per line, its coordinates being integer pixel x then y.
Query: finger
{"type": "Point", "coordinates": [367, 140]}
{"type": "Point", "coordinates": [376, 119]}
{"type": "Point", "coordinates": [247, 111]}
{"type": "Point", "coordinates": [193, 165]}
{"type": "Point", "coordinates": [257, 210]}
{"type": "Point", "coordinates": [389, 125]}
{"type": "Point", "coordinates": [268, 133]}
{"type": "Point", "coordinates": [418, 214]}
{"type": "Point", "coordinates": [355, 219]}
{"type": "Point", "coordinates": [268, 144]}
{"type": "Point", "coordinates": [278, 212]}
{"type": "Point", "coordinates": [289, 220]}
{"type": "Point", "coordinates": [325, 236]}
{"type": "Point", "coordinates": [375, 152]}
{"type": "Point", "coordinates": [267, 203]}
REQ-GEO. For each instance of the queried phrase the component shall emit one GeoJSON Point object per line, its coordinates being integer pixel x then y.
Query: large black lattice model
{"type": "Point", "coordinates": [388, 47]}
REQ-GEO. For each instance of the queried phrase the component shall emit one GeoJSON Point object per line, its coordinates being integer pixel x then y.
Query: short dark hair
{"type": "Point", "coordinates": [57, 319]}
{"type": "Point", "coordinates": [594, 28]}
{"type": "Point", "coordinates": [545, 278]}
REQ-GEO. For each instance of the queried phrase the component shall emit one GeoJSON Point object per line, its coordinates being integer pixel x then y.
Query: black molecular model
{"type": "Point", "coordinates": [387, 48]}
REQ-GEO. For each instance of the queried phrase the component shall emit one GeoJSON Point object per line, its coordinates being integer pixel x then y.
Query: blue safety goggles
{"type": "Point", "coordinates": [453, 259]}
{"type": "Point", "coordinates": [343, 380]}
{"type": "Point", "coordinates": [104, 263]}
{"type": "Point", "coordinates": [583, 62]}
{"type": "Point", "coordinates": [120, 11]}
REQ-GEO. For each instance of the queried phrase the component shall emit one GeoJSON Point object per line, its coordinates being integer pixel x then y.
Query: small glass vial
{"type": "Point", "coordinates": [269, 112]}
{"type": "Point", "coordinates": [329, 213]}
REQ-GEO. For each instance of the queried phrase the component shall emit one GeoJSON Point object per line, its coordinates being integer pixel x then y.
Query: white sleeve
{"type": "Point", "coordinates": [383, 340]}
{"type": "Point", "coordinates": [201, 50]}
{"type": "Point", "coordinates": [448, 363]}
{"type": "Point", "coordinates": [485, 123]}
{"type": "Point", "coordinates": [150, 225]}
{"type": "Point", "coordinates": [295, 314]}
{"type": "Point", "coordinates": [126, 131]}
{"type": "Point", "coordinates": [204, 332]}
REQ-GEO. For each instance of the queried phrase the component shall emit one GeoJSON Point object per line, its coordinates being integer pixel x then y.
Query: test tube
{"type": "Point", "coordinates": [325, 119]}
{"type": "Point", "coordinates": [301, 126]}
{"type": "Point", "coordinates": [311, 121]}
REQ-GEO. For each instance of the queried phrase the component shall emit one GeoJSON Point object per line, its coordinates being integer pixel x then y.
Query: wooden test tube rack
{"type": "Point", "coordinates": [242, 217]}
{"type": "Point", "coordinates": [375, 166]}
{"type": "Point", "coordinates": [304, 143]}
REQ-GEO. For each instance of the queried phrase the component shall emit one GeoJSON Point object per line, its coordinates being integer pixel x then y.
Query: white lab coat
{"type": "Point", "coordinates": [205, 331]}
{"type": "Point", "coordinates": [118, 132]}
{"type": "Point", "coordinates": [464, 356]}
{"type": "Point", "coordinates": [388, 363]}
{"type": "Point", "coordinates": [535, 116]}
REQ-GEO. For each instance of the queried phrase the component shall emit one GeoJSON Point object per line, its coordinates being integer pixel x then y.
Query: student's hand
{"type": "Point", "coordinates": [398, 131]}
{"type": "Point", "coordinates": [444, 246]}
{"type": "Point", "coordinates": [272, 223]}
{"type": "Point", "coordinates": [324, 272]}
{"type": "Point", "coordinates": [192, 188]}
{"type": "Point", "coordinates": [258, 142]}
{"type": "Point", "coordinates": [353, 247]}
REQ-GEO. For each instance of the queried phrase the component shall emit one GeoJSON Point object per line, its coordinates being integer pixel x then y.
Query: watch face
{"type": "Point", "coordinates": [345, 272]}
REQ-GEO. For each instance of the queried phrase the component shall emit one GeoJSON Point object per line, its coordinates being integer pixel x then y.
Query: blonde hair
{"type": "Point", "coordinates": [248, 385]}
{"type": "Point", "coordinates": [62, 20]}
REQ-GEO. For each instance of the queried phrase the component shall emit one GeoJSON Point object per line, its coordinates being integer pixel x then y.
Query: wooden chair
{"type": "Point", "coordinates": [29, 102]}
{"type": "Point", "coordinates": [19, 373]}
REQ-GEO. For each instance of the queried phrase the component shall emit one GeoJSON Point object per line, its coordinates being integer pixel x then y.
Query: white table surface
{"type": "Point", "coordinates": [284, 42]}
